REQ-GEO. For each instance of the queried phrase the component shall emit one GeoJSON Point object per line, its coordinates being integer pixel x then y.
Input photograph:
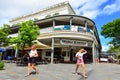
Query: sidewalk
{"type": "Point", "coordinates": [46, 72]}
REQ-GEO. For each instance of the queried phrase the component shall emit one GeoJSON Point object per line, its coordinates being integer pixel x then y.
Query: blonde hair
{"type": "Point", "coordinates": [33, 47]}
{"type": "Point", "coordinates": [82, 49]}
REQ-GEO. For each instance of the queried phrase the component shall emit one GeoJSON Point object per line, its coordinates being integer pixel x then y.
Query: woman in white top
{"type": "Point", "coordinates": [80, 61]}
{"type": "Point", "coordinates": [32, 59]}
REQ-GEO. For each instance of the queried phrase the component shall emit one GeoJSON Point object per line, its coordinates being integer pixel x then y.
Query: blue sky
{"type": "Point", "coordinates": [100, 11]}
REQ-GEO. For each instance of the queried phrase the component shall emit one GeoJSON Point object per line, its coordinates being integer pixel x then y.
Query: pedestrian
{"type": "Point", "coordinates": [80, 61]}
{"type": "Point", "coordinates": [32, 60]}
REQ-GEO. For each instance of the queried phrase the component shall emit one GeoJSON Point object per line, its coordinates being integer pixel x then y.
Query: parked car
{"type": "Point", "coordinates": [103, 59]}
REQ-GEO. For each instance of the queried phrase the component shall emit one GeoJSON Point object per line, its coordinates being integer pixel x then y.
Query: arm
{"type": "Point", "coordinates": [77, 55]}
{"type": "Point", "coordinates": [84, 52]}
{"type": "Point", "coordinates": [36, 54]}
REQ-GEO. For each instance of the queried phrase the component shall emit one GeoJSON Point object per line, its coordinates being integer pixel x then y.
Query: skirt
{"type": "Point", "coordinates": [80, 61]}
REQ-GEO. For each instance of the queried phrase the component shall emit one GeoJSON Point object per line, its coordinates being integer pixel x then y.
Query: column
{"type": "Point", "coordinates": [16, 52]}
{"type": "Point", "coordinates": [93, 51]}
{"type": "Point", "coordinates": [52, 52]}
{"type": "Point", "coordinates": [85, 25]}
{"type": "Point", "coordinates": [71, 18]}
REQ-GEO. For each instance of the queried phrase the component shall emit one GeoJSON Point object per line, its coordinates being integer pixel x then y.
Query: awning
{"type": "Point", "coordinates": [11, 46]}
{"type": "Point", "coordinates": [39, 45]}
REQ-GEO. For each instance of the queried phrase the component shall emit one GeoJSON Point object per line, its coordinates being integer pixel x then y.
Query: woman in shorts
{"type": "Point", "coordinates": [32, 60]}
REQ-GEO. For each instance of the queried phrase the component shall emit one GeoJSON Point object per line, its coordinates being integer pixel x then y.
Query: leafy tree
{"type": "Point", "coordinates": [4, 32]}
{"type": "Point", "coordinates": [28, 32]}
{"type": "Point", "coordinates": [112, 30]}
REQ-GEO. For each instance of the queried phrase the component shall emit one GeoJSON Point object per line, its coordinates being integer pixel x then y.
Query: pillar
{"type": "Point", "coordinates": [52, 52]}
{"type": "Point", "coordinates": [71, 18]}
{"type": "Point", "coordinates": [93, 51]}
{"type": "Point", "coordinates": [85, 25]}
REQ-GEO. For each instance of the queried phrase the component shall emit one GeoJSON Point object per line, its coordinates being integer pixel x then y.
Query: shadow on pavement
{"type": "Point", "coordinates": [88, 74]}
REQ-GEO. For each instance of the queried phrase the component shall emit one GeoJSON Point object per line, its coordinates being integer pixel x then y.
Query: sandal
{"type": "Point", "coordinates": [85, 76]}
{"type": "Point", "coordinates": [27, 75]}
{"type": "Point", "coordinates": [76, 73]}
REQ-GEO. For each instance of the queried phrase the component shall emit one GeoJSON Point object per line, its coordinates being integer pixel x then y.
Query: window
{"type": "Point", "coordinates": [48, 53]}
{"type": "Point", "coordinates": [66, 27]}
{"type": "Point", "coordinates": [47, 16]}
{"type": "Point", "coordinates": [64, 53]}
{"type": "Point", "coordinates": [55, 14]}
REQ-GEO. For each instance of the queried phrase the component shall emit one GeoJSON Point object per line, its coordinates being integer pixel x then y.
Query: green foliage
{"type": "Point", "coordinates": [2, 65]}
{"type": "Point", "coordinates": [112, 30]}
{"type": "Point", "coordinates": [115, 50]}
{"type": "Point", "coordinates": [0, 53]}
{"type": "Point", "coordinates": [4, 32]}
{"type": "Point", "coordinates": [28, 32]}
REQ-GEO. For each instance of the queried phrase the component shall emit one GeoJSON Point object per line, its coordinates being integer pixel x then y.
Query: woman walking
{"type": "Point", "coordinates": [32, 59]}
{"type": "Point", "coordinates": [80, 61]}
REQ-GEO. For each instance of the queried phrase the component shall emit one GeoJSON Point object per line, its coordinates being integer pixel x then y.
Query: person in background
{"type": "Point", "coordinates": [80, 61]}
{"type": "Point", "coordinates": [32, 60]}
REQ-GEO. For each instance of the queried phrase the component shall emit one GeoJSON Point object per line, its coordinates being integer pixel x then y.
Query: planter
{"type": "Point", "coordinates": [2, 65]}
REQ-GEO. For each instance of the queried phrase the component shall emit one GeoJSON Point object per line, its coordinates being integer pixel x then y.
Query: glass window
{"type": "Point", "coordinates": [80, 29]}
{"type": "Point", "coordinates": [47, 16]}
{"type": "Point", "coordinates": [55, 14]}
{"type": "Point", "coordinates": [64, 53]}
{"type": "Point", "coordinates": [66, 27]}
{"type": "Point", "coordinates": [48, 53]}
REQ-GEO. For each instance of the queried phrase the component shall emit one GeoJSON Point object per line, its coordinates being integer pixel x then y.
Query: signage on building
{"type": "Point", "coordinates": [73, 42]}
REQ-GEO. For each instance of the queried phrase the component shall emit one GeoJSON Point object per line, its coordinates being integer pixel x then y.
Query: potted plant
{"type": "Point", "coordinates": [0, 55]}
{"type": "Point", "coordinates": [2, 65]}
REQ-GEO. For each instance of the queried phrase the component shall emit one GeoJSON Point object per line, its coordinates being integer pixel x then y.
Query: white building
{"type": "Point", "coordinates": [64, 31]}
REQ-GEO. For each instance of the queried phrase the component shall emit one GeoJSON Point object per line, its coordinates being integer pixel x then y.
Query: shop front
{"type": "Point", "coordinates": [65, 50]}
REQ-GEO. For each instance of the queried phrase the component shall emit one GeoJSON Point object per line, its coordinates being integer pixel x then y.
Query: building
{"type": "Point", "coordinates": [64, 31]}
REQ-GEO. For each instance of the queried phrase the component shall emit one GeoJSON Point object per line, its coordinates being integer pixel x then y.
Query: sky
{"type": "Point", "coordinates": [100, 11]}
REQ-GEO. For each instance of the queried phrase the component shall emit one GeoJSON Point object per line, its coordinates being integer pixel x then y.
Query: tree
{"type": "Point", "coordinates": [112, 30]}
{"type": "Point", "coordinates": [28, 32]}
{"type": "Point", "coordinates": [4, 32]}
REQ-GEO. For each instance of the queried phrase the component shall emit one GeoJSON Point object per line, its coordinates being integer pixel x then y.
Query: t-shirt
{"type": "Point", "coordinates": [80, 55]}
{"type": "Point", "coordinates": [32, 53]}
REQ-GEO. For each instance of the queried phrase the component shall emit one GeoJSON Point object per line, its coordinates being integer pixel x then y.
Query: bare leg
{"type": "Point", "coordinates": [77, 66]}
{"type": "Point", "coordinates": [33, 66]}
{"type": "Point", "coordinates": [83, 70]}
{"type": "Point", "coordinates": [28, 70]}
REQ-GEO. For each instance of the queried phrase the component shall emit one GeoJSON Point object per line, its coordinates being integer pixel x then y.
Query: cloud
{"type": "Point", "coordinates": [105, 48]}
{"type": "Point", "coordinates": [101, 37]}
{"type": "Point", "coordinates": [11, 9]}
{"type": "Point", "coordinates": [112, 8]}
{"type": "Point", "coordinates": [89, 8]}
{"type": "Point", "coordinates": [91, 14]}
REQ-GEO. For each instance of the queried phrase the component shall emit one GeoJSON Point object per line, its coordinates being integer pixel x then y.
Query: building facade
{"type": "Point", "coordinates": [64, 31]}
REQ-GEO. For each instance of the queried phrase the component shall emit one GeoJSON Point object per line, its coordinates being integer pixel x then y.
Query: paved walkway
{"type": "Point", "coordinates": [46, 72]}
{"type": "Point", "coordinates": [105, 71]}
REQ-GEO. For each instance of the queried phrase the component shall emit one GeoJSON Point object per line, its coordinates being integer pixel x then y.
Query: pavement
{"type": "Point", "coordinates": [104, 71]}
{"type": "Point", "coordinates": [101, 71]}
{"type": "Point", "coordinates": [46, 72]}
